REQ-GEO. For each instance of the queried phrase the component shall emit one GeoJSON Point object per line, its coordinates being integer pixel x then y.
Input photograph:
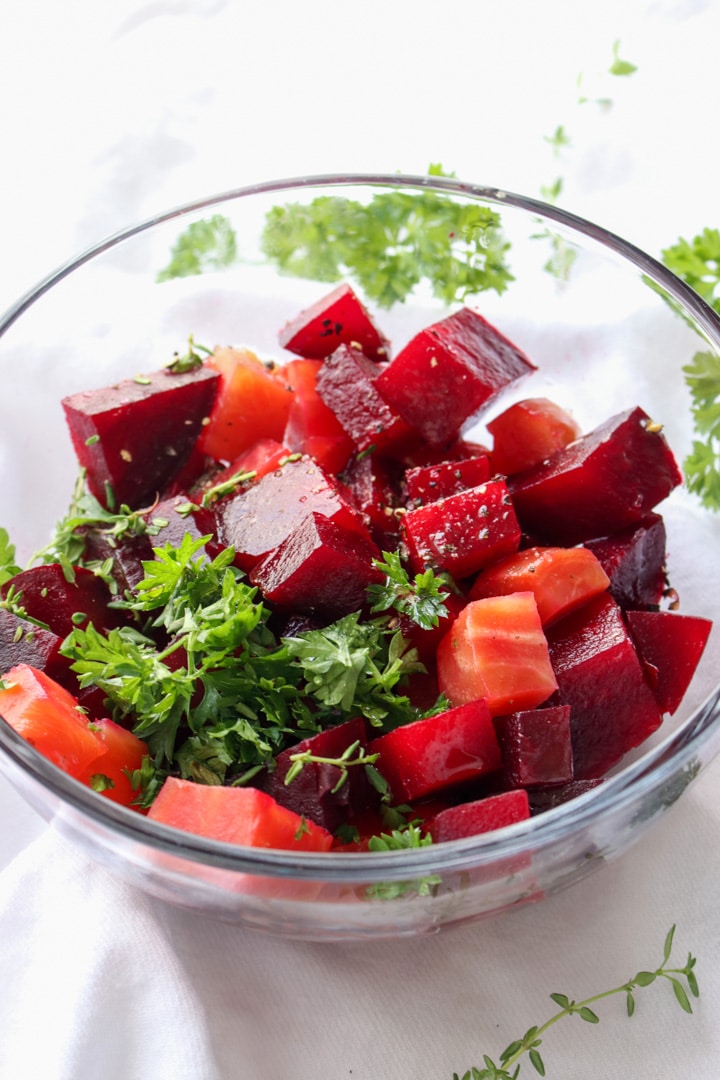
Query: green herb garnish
{"type": "Point", "coordinates": [209, 244]}
{"type": "Point", "coordinates": [8, 567]}
{"type": "Point", "coordinates": [684, 986]}
{"type": "Point", "coordinates": [392, 243]}
{"type": "Point", "coordinates": [420, 598]}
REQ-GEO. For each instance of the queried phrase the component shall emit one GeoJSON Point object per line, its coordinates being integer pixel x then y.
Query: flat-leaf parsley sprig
{"type": "Point", "coordinates": [421, 598]}
{"type": "Point", "coordinates": [682, 980]}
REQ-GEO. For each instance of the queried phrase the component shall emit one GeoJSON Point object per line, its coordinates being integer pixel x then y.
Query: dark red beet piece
{"type": "Point", "coordinates": [599, 675]}
{"type": "Point", "coordinates": [319, 568]}
{"type": "Point", "coordinates": [126, 556]}
{"type": "Point", "coordinates": [601, 483]}
{"type": "Point", "coordinates": [338, 318]}
{"type": "Point", "coordinates": [311, 793]}
{"type": "Point", "coordinates": [375, 484]}
{"type": "Point", "coordinates": [45, 594]}
{"type": "Point", "coordinates": [346, 382]}
{"type": "Point", "coordinates": [634, 560]}
{"type": "Point", "coordinates": [437, 752]}
{"type": "Point", "coordinates": [429, 483]}
{"type": "Point", "coordinates": [134, 437]}
{"type": "Point", "coordinates": [536, 746]}
{"type": "Point", "coordinates": [547, 798]}
{"type": "Point", "coordinates": [259, 519]}
{"type": "Point", "coordinates": [170, 522]}
{"type": "Point", "coordinates": [670, 646]}
{"type": "Point", "coordinates": [463, 532]}
{"type": "Point", "coordinates": [481, 816]}
{"type": "Point", "coordinates": [22, 642]}
{"type": "Point", "coordinates": [448, 372]}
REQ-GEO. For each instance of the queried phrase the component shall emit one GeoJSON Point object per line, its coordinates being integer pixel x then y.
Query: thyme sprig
{"type": "Point", "coordinates": [684, 986]}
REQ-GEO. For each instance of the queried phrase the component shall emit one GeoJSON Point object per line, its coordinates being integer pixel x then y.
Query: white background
{"type": "Point", "coordinates": [110, 112]}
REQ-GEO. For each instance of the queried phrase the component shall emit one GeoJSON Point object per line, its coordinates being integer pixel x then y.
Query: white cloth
{"type": "Point", "coordinates": [113, 112]}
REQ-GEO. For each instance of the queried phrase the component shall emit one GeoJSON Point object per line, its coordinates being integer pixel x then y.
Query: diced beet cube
{"type": "Point", "coordinates": [536, 746]}
{"type": "Point", "coordinates": [374, 484]}
{"type": "Point", "coordinates": [634, 560]}
{"type": "Point", "coordinates": [126, 556]}
{"type": "Point", "coordinates": [481, 816]}
{"type": "Point", "coordinates": [22, 642]}
{"type": "Point", "coordinates": [528, 432]}
{"type": "Point", "coordinates": [312, 428]}
{"type": "Point", "coordinates": [45, 594]}
{"type": "Point", "coordinates": [448, 372]}
{"type": "Point", "coordinates": [547, 798]}
{"type": "Point", "coordinates": [438, 752]}
{"type": "Point", "coordinates": [418, 455]}
{"type": "Point", "coordinates": [464, 532]}
{"type": "Point", "coordinates": [264, 456]}
{"type": "Point", "coordinates": [170, 522]}
{"type": "Point", "coordinates": [346, 382]}
{"type": "Point", "coordinates": [312, 792]}
{"type": "Point", "coordinates": [429, 483]}
{"type": "Point", "coordinates": [319, 568]}
{"type": "Point", "coordinates": [670, 647]}
{"type": "Point", "coordinates": [257, 520]}
{"type": "Point", "coordinates": [612, 709]}
{"type": "Point", "coordinates": [337, 319]}
{"type": "Point", "coordinates": [134, 437]}
{"type": "Point", "coordinates": [599, 484]}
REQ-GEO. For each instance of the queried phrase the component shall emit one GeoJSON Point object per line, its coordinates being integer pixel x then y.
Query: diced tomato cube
{"type": "Point", "coordinates": [670, 647]}
{"type": "Point", "coordinates": [481, 816]}
{"type": "Point", "coordinates": [528, 432]}
{"type": "Point", "coordinates": [463, 532]}
{"type": "Point", "coordinates": [336, 319]}
{"type": "Point", "coordinates": [497, 650]}
{"type": "Point", "coordinates": [448, 372]}
{"type": "Point", "coordinates": [437, 752]}
{"type": "Point", "coordinates": [253, 403]}
{"type": "Point", "coordinates": [561, 579]}
{"type": "Point", "coordinates": [235, 815]}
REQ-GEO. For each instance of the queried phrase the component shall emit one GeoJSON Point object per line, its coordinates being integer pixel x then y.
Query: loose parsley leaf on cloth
{"type": "Point", "coordinates": [392, 243]}
{"type": "Point", "coordinates": [684, 986]}
{"type": "Point", "coordinates": [208, 244]}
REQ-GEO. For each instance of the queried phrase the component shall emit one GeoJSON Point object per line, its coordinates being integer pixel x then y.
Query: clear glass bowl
{"type": "Point", "coordinates": [615, 334]}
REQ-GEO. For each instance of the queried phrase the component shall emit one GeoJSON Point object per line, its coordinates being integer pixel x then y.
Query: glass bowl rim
{"type": "Point", "coordinates": [673, 754]}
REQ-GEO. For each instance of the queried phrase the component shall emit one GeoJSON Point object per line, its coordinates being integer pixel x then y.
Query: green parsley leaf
{"type": "Point", "coordinates": [8, 567]}
{"type": "Point", "coordinates": [421, 599]}
{"type": "Point", "coordinates": [618, 66]}
{"type": "Point", "coordinates": [404, 839]}
{"type": "Point", "coordinates": [392, 243]}
{"type": "Point", "coordinates": [697, 262]}
{"type": "Point", "coordinates": [208, 244]}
